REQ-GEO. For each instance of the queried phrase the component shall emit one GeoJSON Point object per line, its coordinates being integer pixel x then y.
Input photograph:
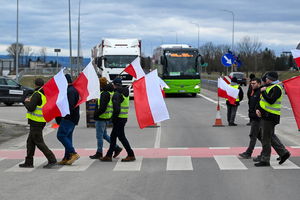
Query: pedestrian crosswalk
{"type": "Point", "coordinates": [172, 163]}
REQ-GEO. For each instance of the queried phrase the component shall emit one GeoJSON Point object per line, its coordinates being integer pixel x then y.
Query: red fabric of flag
{"type": "Point", "coordinates": [292, 88]}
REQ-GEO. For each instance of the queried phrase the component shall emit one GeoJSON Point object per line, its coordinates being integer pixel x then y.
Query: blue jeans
{"type": "Point", "coordinates": [101, 134]}
{"type": "Point", "coordinates": [65, 136]}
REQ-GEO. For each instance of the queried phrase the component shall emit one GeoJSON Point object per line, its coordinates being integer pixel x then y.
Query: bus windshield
{"type": "Point", "coordinates": [118, 61]}
{"type": "Point", "coordinates": [181, 64]}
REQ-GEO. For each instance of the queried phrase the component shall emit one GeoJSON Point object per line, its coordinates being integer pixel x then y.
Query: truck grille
{"type": "Point", "coordinates": [123, 77]}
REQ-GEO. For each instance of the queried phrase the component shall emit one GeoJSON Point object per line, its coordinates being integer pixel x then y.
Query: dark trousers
{"type": "Point", "coordinates": [35, 139]}
{"type": "Point", "coordinates": [268, 139]}
{"type": "Point", "coordinates": [254, 134]}
{"type": "Point", "coordinates": [231, 113]}
{"type": "Point", "coordinates": [118, 132]}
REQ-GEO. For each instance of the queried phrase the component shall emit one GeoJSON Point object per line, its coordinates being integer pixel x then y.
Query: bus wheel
{"type": "Point", "coordinates": [194, 94]}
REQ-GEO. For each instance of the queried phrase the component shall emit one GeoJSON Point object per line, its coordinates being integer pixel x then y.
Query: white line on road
{"type": "Point", "coordinates": [129, 166]}
{"type": "Point", "coordinates": [286, 165]}
{"type": "Point", "coordinates": [37, 162]}
{"type": "Point", "coordinates": [229, 163]}
{"type": "Point", "coordinates": [158, 136]}
{"type": "Point", "coordinates": [79, 165]}
{"type": "Point", "coordinates": [179, 163]}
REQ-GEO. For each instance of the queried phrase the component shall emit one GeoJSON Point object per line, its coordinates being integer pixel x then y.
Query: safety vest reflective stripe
{"type": "Point", "coordinates": [37, 114]}
{"type": "Point", "coordinates": [124, 108]}
{"type": "Point", "coordinates": [109, 109]}
{"type": "Point", "coordinates": [274, 108]}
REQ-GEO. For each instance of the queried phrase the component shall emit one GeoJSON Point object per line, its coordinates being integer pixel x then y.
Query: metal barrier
{"type": "Point", "coordinates": [211, 85]}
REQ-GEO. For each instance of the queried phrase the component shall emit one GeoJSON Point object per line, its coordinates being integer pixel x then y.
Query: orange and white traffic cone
{"type": "Point", "coordinates": [218, 122]}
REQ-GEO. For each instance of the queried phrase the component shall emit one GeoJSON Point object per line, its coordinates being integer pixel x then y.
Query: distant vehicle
{"type": "Point", "coordinates": [11, 92]}
{"type": "Point", "coordinates": [240, 76]}
{"type": "Point", "coordinates": [113, 55]}
{"type": "Point", "coordinates": [179, 65]}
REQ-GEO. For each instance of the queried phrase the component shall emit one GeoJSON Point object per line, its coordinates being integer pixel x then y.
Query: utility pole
{"type": "Point", "coordinates": [78, 39]}
{"type": "Point", "coordinates": [70, 39]}
{"type": "Point", "coordinates": [232, 40]}
{"type": "Point", "coordinates": [17, 44]}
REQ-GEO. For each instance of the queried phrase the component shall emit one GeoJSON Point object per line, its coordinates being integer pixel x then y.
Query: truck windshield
{"type": "Point", "coordinates": [181, 63]}
{"type": "Point", "coordinates": [118, 61]}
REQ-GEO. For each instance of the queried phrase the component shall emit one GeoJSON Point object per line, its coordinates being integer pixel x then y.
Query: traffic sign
{"type": "Point", "coordinates": [227, 60]}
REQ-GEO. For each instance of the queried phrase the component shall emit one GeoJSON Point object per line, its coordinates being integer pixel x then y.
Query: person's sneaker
{"type": "Point", "coordinates": [232, 124]}
{"type": "Point", "coordinates": [106, 159]}
{"type": "Point", "coordinates": [256, 159]}
{"type": "Point", "coordinates": [128, 159]}
{"type": "Point", "coordinates": [245, 155]}
{"type": "Point", "coordinates": [248, 124]}
{"type": "Point", "coordinates": [284, 157]}
{"type": "Point", "coordinates": [279, 158]}
{"type": "Point", "coordinates": [117, 151]}
{"type": "Point", "coordinates": [63, 161]}
{"type": "Point", "coordinates": [25, 165]}
{"type": "Point", "coordinates": [50, 165]}
{"type": "Point", "coordinates": [97, 155]}
{"type": "Point", "coordinates": [73, 158]}
{"type": "Point", "coordinates": [262, 164]}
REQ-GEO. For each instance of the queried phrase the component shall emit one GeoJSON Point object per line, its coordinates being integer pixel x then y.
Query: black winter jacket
{"type": "Point", "coordinates": [253, 102]}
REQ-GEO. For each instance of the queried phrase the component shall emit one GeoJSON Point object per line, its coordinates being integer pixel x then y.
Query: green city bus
{"type": "Point", "coordinates": [179, 65]}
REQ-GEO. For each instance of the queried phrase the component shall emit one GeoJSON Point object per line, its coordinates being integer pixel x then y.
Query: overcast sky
{"type": "Point", "coordinates": [44, 23]}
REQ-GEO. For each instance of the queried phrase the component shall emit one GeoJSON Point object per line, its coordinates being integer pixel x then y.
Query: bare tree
{"type": "Point", "coordinates": [12, 51]}
{"type": "Point", "coordinates": [248, 50]}
{"type": "Point", "coordinates": [27, 53]}
{"type": "Point", "coordinates": [43, 54]}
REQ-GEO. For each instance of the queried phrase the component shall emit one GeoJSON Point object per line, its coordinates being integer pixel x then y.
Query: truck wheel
{"type": "Point", "coordinates": [9, 103]}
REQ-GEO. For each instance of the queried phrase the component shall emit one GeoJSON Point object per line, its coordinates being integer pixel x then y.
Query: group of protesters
{"type": "Point", "coordinates": [113, 104]}
{"type": "Point", "coordinates": [264, 95]}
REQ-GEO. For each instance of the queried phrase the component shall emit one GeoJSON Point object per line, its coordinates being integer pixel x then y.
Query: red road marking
{"type": "Point", "coordinates": [196, 152]}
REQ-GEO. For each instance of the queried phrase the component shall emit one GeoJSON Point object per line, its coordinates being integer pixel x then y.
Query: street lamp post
{"type": "Point", "coordinates": [17, 44]}
{"type": "Point", "coordinates": [57, 51]}
{"type": "Point", "coordinates": [232, 40]}
{"type": "Point", "coordinates": [198, 33]}
{"type": "Point", "coordinates": [70, 39]}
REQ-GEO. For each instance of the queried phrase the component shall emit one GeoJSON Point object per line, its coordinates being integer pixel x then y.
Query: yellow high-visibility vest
{"type": "Point", "coordinates": [274, 108]}
{"type": "Point", "coordinates": [37, 114]}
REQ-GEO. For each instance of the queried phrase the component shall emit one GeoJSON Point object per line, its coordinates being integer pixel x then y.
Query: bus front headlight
{"type": "Point", "coordinates": [197, 87]}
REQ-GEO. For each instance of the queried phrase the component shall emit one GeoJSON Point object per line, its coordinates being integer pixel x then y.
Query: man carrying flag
{"type": "Point", "coordinates": [67, 125]}
{"type": "Point", "coordinates": [37, 122]}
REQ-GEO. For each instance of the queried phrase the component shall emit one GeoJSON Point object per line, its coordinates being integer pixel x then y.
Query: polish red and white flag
{"type": "Point", "coordinates": [227, 79]}
{"type": "Point", "coordinates": [55, 91]}
{"type": "Point", "coordinates": [87, 84]}
{"type": "Point", "coordinates": [149, 103]}
{"type": "Point", "coordinates": [135, 69]}
{"type": "Point", "coordinates": [226, 91]}
{"type": "Point", "coordinates": [296, 56]}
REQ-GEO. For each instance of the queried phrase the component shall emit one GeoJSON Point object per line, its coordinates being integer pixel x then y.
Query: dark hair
{"type": "Point", "coordinates": [117, 81]}
{"type": "Point", "coordinates": [234, 80]}
{"type": "Point", "coordinates": [256, 79]}
{"type": "Point", "coordinates": [252, 76]}
{"type": "Point", "coordinates": [39, 82]}
{"type": "Point", "coordinates": [273, 76]}
{"type": "Point", "coordinates": [69, 78]}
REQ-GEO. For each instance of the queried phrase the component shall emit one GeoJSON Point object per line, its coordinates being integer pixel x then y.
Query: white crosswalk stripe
{"type": "Point", "coordinates": [229, 163]}
{"type": "Point", "coordinates": [286, 165]}
{"type": "Point", "coordinates": [79, 165]}
{"type": "Point", "coordinates": [37, 162]}
{"type": "Point", "coordinates": [129, 166]}
{"type": "Point", "coordinates": [179, 163]}
{"type": "Point", "coordinates": [174, 163]}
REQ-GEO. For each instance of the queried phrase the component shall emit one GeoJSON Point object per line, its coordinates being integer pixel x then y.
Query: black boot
{"type": "Point", "coordinates": [284, 157]}
{"type": "Point", "coordinates": [117, 152]}
{"type": "Point", "coordinates": [97, 155]}
{"type": "Point", "coordinates": [262, 164]}
{"type": "Point", "coordinates": [26, 165]}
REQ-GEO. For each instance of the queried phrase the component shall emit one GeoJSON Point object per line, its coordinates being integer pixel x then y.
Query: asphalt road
{"type": "Point", "coordinates": [184, 158]}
